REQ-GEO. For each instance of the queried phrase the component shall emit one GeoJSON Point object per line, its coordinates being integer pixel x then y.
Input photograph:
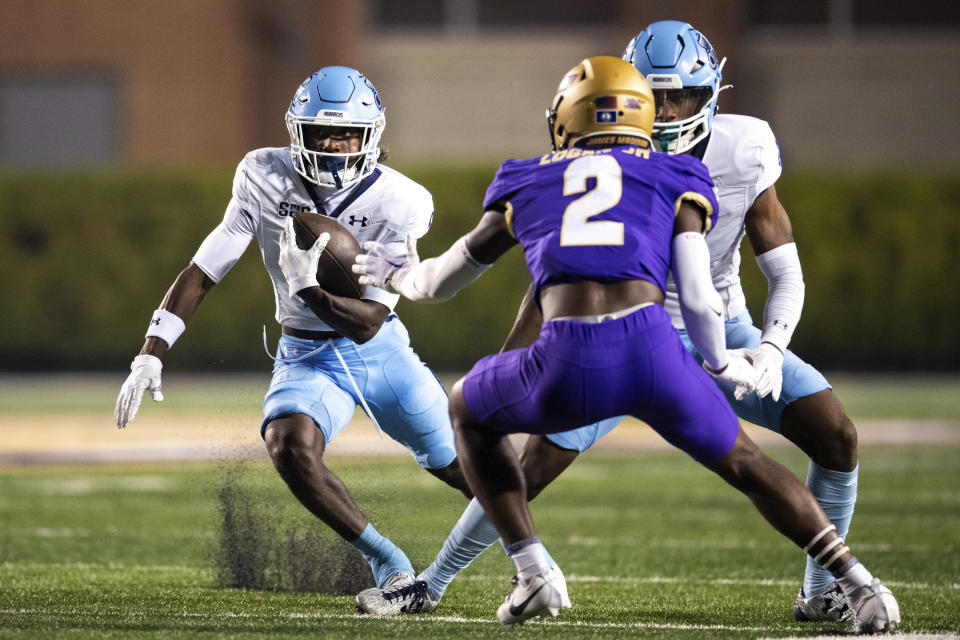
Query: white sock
{"type": "Point", "coordinates": [530, 558]}
{"type": "Point", "coordinates": [854, 576]}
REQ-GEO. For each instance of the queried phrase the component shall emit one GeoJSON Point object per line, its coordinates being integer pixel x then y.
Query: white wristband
{"type": "Point", "coordinates": [166, 326]}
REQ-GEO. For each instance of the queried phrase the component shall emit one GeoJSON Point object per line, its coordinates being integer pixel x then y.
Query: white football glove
{"type": "Point", "coordinates": [739, 373]}
{"type": "Point", "coordinates": [768, 362]}
{"type": "Point", "coordinates": [385, 266]}
{"type": "Point", "coordinates": [144, 374]}
{"type": "Point", "coordinates": [299, 266]}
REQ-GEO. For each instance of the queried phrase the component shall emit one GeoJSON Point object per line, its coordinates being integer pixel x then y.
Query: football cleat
{"type": "Point", "coordinates": [829, 606]}
{"type": "Point", "coordinates": [875, 609]}
{"type": "Point", "coordinates": [538, 597]}
{"type": "Point", "coordinates": [556, 578]}
{"type": "Point", "coordinates": [401, 594]}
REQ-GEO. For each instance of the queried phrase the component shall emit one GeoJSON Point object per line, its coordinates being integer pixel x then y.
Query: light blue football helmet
{"type": "Point", "coordinates": [676, 58]}
{"type": "Point", "coordinates": [336, 97]}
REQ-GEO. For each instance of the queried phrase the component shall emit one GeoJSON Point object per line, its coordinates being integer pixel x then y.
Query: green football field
{"type": "Point", "coordinates": [652, 546]}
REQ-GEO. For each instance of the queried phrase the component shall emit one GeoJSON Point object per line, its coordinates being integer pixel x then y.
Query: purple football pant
{"type": "Point", "coordinates": [577, 373]}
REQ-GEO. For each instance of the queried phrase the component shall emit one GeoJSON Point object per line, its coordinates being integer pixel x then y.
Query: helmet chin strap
{"type": "Point", "coordinates": [334, 166]}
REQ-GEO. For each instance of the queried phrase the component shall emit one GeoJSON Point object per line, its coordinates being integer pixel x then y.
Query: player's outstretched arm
{"type": "Point", "coordinates": [700, 303]}
{"type": "Point", "coordinates": [440, 278]}
{"type": "Point", "coordinates": [771, 236]}
{"type": "Point", "coordinates": [166, 325]}
{"type": "Point", "coordinates": [356, 319]}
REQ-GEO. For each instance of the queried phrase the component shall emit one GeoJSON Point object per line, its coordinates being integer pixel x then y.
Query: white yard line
{"type": "Point", "coordinates": [752, 582]}
{"type": "Point", "coordinates": [434, 619]}
{"type": "Point", "coordinates": [574, 578]}
{"type": "Point", "coordinates": [424, 619]}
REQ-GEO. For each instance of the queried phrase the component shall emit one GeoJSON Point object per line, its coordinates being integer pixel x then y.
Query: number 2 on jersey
{"type": "Point", "coordinates": [577, 229]}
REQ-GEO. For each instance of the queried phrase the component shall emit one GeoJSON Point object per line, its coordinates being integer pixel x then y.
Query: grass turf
{"type": "Point", "coordinates": [652, 545]}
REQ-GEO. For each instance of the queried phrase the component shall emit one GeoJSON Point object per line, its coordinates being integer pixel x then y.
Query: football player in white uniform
{"type": "Point", "coordinates": [334, 352]}
{"type": "Point", "coordinates": [792, 397]}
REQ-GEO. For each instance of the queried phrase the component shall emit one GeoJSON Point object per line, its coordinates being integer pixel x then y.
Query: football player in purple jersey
{"type": "Point", "coordinates": [602, 221]}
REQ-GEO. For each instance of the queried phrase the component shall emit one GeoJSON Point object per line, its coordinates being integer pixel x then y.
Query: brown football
{"type": "Point", "coordinates": [334, 271]}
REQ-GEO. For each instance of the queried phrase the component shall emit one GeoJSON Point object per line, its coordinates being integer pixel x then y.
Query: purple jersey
{"type": "Point", "coordinates": [604, 215]}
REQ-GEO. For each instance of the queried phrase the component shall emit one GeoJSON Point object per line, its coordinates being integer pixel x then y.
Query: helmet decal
{"type": "Point", "coordinates": [376, 94]}
{"type": "Point", "coordinates": [711, 54]}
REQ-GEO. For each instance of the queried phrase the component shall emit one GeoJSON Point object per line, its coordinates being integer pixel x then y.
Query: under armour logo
{"type": "Point", "coordinates": [354, 220]}
{"type": "Point", "coordinates": [780, 323]}
{"type": "Point", "coordinates": [155, 321]}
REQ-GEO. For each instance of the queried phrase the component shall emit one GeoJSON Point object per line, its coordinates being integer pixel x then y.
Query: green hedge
{"type": "Point", "coordinates": [876, 249]}
{"type": "Point", "coordinates": [85, 258]}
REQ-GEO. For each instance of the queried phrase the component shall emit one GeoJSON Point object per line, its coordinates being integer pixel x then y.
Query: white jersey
{"type": "Point", "coordinates": [386, 206]}
{"type": "Point", "coordinates": [743, 158]}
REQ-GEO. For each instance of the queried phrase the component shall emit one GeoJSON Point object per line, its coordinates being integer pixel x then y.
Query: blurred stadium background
{"type": "Point", "coordinates": [121, 124]}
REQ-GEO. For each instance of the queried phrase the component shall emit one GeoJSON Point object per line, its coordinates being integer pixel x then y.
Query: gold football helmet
{"type": "Point", "coordinates": [604, 99]}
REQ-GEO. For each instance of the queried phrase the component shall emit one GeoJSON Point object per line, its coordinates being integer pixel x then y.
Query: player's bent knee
{"type": "Point", "coordinates": [819, 424]}
{"type": "Point", "coordinates": [845, 435]}
{"type": "Point", "coordinates": [293, 440]}
{"type": "Point", "coordinates": [839, 447]}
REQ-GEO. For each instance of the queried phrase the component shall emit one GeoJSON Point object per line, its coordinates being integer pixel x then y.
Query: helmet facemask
{"type": "Point", "coordinates": [683, 117]}
{"type": "Point", "coordinates": [333, 169]}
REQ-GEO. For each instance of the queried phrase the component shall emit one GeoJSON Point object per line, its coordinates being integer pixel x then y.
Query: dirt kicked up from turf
{"type": "Point", "coordinates": [259, 552]}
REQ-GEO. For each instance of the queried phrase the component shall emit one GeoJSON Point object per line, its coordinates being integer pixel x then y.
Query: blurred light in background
{"type": "Point", "coordinates": [52, 119]}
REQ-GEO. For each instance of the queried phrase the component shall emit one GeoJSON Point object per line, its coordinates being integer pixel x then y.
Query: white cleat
{"type": "Point", "coordinates": [829, 606]}
{"type": "Point", "coordinates": [401, 594]}
{"type": "Point", "coordinates": [559, 582]}
{"type": "Point", "coordinates": [538, 597]}
{"type": "Point", "coordinates": [875, 609]}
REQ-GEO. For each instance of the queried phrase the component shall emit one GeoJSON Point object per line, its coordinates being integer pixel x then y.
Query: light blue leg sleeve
{"type": "Point", "coordinates": [836, 491]}
{"type": "Point", "coordinates": [472, 535]}
{"type": "Point", "coordinates": [385, 558]}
